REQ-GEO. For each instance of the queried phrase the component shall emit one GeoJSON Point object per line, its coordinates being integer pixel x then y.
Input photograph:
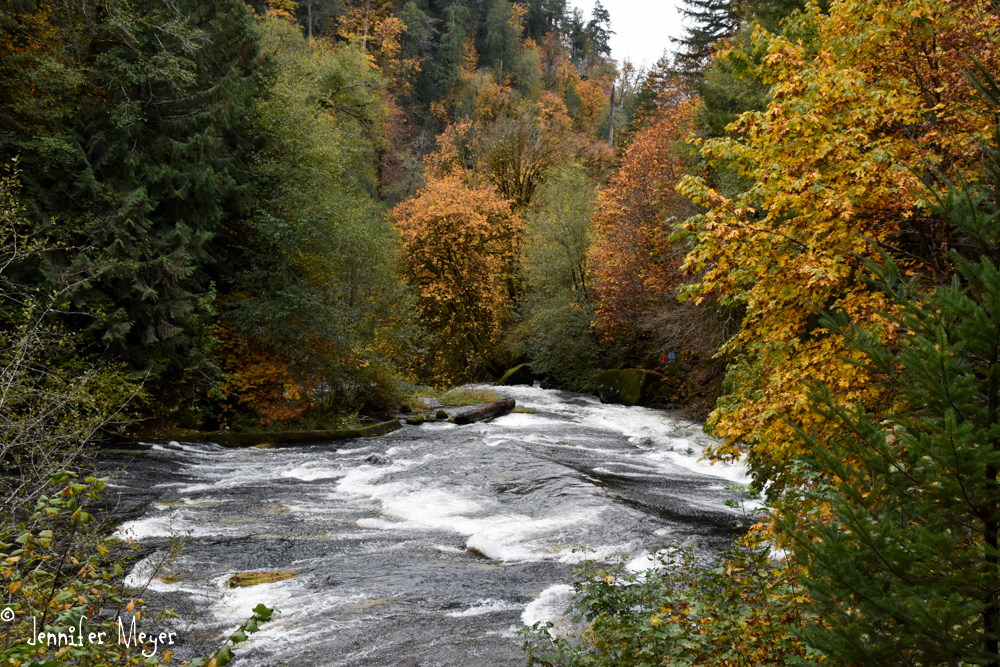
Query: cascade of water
{"type": "Point", "coordinates": [436, 556]}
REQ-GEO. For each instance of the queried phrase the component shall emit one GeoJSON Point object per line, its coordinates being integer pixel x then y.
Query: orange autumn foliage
{"type": "Point", "coordinates": [258, 379]}
{"type": "Point", "coordinates": [877, 99]}
{"type": "Point", "coordinates": [633, 260]}
{"type": "Point", "coordinates": [459, 244]}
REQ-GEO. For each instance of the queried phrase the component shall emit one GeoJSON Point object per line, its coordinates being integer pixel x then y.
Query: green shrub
{"type": "Point", "coordinates": [744, 612]}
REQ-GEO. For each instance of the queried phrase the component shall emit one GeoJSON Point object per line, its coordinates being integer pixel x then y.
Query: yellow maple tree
{"type": "Point", "coordinates": [865, 98]}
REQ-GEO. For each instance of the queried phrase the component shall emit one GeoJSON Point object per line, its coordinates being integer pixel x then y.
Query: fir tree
{"type": "Point", "coordinates": [142, 162]}
{"type": "Point", "coordinates": [712, 21]}
{"type": "Point", "coordinates": [904, 571]}
{"type": "Point", "coordinates": [599, 31]}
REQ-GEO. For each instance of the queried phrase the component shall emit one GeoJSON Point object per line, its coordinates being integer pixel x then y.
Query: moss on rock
{"type": "Point", "coordinates": [630, 386]}
{"type": "Point", "coordinates": [244, 579]}
{"type": "Point", "coordinates": [518, 375]}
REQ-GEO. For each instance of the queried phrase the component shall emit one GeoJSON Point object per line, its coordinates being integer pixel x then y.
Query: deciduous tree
{"type": "Point", "coordinates": [460, 245]}
{"type": "Point", "coordinates": [862, 97]}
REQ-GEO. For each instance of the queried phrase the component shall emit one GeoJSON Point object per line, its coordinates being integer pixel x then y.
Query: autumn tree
{"type": "Point", "coordinates": [514, 154]}
{"type": "Point", "coordinates": [903, 557]}
{"type": "Point", "coordinates": [459, 247]}
{"type": "Point", "coordinates": [856, 110]}
{"type": "Point", "coordinates": [633, 260]}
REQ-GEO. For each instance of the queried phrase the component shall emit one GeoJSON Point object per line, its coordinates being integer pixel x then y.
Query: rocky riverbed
{"type": "Point", "coordinates": [432, 545]}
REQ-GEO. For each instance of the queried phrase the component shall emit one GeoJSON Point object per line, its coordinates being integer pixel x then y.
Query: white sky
{"type": "Point", "coordinates": [643, 28]}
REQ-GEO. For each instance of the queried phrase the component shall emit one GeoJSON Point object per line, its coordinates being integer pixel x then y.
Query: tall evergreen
{"type": "Point", "coordinates": [543, 17]}
{"type": "Point", "coordinates": [906, 570]}
{"type": "Point", "coordinates": [712, 21]}
{"type": "Point", "coordinates": [143, 165]}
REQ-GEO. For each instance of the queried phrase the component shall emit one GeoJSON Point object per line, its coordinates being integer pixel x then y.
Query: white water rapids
{"type": "Point", "coordinates": [437, 557]}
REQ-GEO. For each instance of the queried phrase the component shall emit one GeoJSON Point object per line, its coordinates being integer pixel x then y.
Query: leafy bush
{"type": "Point", "coordinates": [743, 612]}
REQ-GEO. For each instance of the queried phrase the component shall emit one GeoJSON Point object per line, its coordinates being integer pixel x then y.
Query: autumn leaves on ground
{"type": "Point", "coordinates": [283, 215]}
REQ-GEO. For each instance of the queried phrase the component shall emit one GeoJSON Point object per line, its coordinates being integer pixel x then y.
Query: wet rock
{"type": "Point", "coordinates": [378, 459]}
{"type": "Point", "coordinates": [441, 414]}
{"type": "Point", "coordinates": [629, 386]}
{"type": "Point", "coordinates": [518, 375]}
{"type": "Point", "coordinates": [416, 420]}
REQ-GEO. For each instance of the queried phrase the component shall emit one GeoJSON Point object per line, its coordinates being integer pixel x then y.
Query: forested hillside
{"type": "Point", "coordinates": [277, 215]}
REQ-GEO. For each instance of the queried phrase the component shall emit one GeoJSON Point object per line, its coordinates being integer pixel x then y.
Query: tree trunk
{"type": "Point", "coordinates": [364, 37]}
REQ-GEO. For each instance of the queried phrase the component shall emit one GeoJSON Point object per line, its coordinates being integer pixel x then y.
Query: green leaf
{"type": "Point", "coordinates": [263, 613]}
{"type": "Point", "coordinates": [224, 656]}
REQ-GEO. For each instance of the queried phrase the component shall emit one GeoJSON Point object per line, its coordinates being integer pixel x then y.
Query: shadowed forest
{"type": "Point", "coordinates": [300, 215]}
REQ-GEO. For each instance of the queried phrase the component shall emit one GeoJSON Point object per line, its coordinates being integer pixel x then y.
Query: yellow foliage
{"type": "Point", "coordinates": [877, 94]}
{"type": "Point", "coordinates": [460, 242]}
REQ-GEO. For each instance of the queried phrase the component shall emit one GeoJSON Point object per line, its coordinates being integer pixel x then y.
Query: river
{"type": "Point", "coordinates": [435, 553]}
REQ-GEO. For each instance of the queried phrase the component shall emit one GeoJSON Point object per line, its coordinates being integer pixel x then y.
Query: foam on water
{"type": "Point", "coordinates": [549, 607]}
{"type": "Point", "coordinates": [354, 450]}
{"type": "Point", "coordinates": [487, 606]}
{"type": "Point", "coordinates": [174, 523]}
{"type": "Point", "coordinates": [524, 420]}
{"type": "Point", "coordinates": [678, 442]}
{"type": "Point", "coordinates": [422, 504]}
{"type": "Point", "coordinates": [519, 490]}
{"type": "Point", "coordinates": [312, 471]}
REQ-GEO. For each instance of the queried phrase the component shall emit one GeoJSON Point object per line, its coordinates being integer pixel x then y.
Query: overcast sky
{"type": "Point", "coordinates": [643, 28]}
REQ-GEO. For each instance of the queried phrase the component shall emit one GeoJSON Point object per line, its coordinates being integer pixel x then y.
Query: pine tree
{"type": "Point", "coordinates": [905, 569]}
{"type": "Point", "coordinates": [143, 161]}
{"type": "Point", "coordinates": [712, 21]}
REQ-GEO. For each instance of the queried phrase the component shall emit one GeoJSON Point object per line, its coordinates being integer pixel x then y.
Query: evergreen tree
{"type": "Point", "coordinates": [905, 569]}
{"type": "Point", "coordinates": [588, 40]}
{"type": "Point", "coordinates": [599, 31]}
{"type": "Point", "coordinates": [503, 38]}
{"type": "Point", "coordinates": [544, 16]}
{"type": "Point", "coordinates": [444, 70]}
{"type": "Point", "coordinates": [712, 22]}
{"type": "Point", "coordinates": [142, 160]}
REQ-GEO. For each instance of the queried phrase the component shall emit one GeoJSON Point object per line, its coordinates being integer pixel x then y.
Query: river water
{"type": "Point", "coordinates": [436, 553]}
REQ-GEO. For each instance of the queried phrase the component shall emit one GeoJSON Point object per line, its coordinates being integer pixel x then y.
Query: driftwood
{"type": "Point", "coordinates": [487, 411]}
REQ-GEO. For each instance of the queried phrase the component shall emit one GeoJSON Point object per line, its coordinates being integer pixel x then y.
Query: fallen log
{"type": "Point", "coordinates": [488, 411]}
